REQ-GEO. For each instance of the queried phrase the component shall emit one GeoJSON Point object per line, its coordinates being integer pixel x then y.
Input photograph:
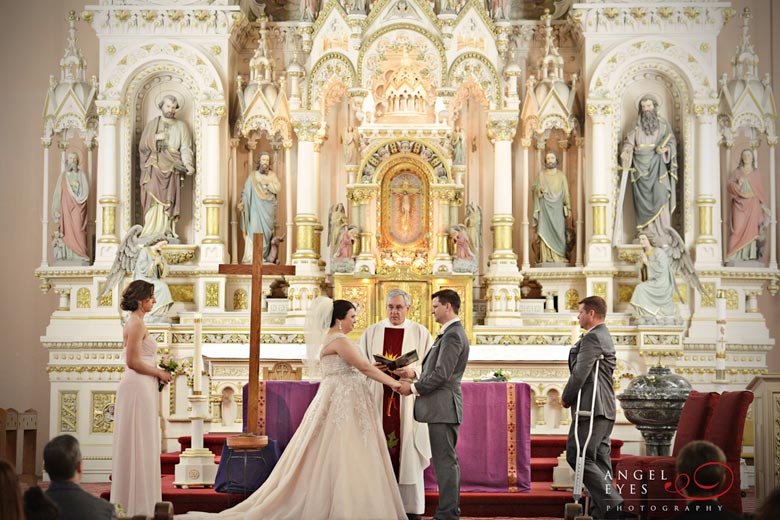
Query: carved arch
{"type": "Point", "coordinates": [332, 67]}
{"type": "Point", "coordinates": [473, 71]}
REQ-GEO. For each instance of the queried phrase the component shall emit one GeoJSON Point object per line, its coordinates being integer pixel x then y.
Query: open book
{"type": "Point", "coordinates": [392, 364]}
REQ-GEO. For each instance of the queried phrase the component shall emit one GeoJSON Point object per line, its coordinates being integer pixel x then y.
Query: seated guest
{"type": "Point", "coordinates": [701, 469]}
{"type": "Point", "coordinates": [10, 493]}
{"type": "Point", "coordinates": [62, 461]}
{"type": "Point", "coordinates": [38, 507]}
{"type": "Point", "coordinates": [770, 507]}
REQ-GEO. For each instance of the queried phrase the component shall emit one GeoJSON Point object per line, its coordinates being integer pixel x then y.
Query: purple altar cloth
{"type": "Point", "coordinates": [494, 441]}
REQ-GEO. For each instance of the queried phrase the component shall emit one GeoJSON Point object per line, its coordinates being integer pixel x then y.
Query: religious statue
{"type": "Point", "coordinates": [166, 156]}
{"type": "Point", "coordinates": [69, 211]}
{"type": "Point", "coordinates": [258, 207]}
{"type": "Point", "coordinates": [464, 250]}
{"type": "Point", "coordinates": [369, 107]}
{"type": "Point", "coordinates": [337, 219]}
{"type": "Point", "coordinates": [458, 147]}
{"type": "Point", "coordinates": [351, 146]}
{"type": "Point", "coordinates": [309, 10]}
{"type": "Point", "coordinates": [342, 260]}
{"type": "Point", "coordinates": [152, 267]}
{"type": "Point", "coordinates": [498, 10]}
{"type": "Point", "coordinates": [652, 299]}
{"type": "Point", "coordinates": [749, 211]}
{"type": "Point", "coordinates": [142, 256]}
{"type": "Point", "coordinates": [649, 154]}
{"type": "Point", "coordinates": [473, 222]}
{"type": "Point", "coordinates": [552, 206]}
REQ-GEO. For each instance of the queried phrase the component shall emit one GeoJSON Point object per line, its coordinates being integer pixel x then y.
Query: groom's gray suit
{"type": "Point", "coordinates": [440, 404]}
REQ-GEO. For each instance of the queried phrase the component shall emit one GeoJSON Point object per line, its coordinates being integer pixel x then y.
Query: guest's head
{"type": "Point", "coordinates": [701, 469]}
{"type": "Point", "coordinates": [10, 493]}
{"type": "Point", "coordinates": [592, 311]}
{"type": "Point", "coordinates": [38, 506]}
{"type": "Point", "coordinates": [136, 293]}
{"type": "Point", "coordinates": [770, 507]}
{"type": "Point", "coordinates": [62, 458]}
{"type": "Point", "coordinates": [344, 316]}
{"type": "Point", "coordinates": [446, 305]}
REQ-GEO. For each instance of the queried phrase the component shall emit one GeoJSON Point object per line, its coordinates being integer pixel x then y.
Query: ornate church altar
{"type": "Point", "coordinates": [397, 143]}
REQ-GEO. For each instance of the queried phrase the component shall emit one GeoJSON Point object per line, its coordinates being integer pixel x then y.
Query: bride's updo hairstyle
{"type": "Point", "coordinates": [137, 291]}
{"type": "Point", "coordinates": [340, 310]}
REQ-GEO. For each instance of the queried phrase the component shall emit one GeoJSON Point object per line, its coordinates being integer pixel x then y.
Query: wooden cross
{"type": "Point", "coordinates": [257, 270]}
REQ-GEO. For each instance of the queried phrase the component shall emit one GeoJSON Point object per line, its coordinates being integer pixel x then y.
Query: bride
{"type": "Point", "coordinates": [336, 466]}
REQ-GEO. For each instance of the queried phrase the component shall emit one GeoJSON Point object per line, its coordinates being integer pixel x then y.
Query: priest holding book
{"type": "Point", "coordinates": [407, 439]}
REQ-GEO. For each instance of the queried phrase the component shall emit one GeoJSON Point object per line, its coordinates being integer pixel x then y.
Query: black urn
{"type": "Point", "coordinates": [653, 403]}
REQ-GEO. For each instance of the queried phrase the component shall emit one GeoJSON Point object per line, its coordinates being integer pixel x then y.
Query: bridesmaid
{"type": "Point", "coordinates": [136, 483]}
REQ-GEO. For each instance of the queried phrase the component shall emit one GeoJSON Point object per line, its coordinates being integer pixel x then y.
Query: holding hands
{"type": "Point", "coordinates": [405, 387]}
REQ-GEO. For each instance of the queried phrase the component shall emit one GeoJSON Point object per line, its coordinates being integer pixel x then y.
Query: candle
{"type": "Point", "coordinates": [197, 359]}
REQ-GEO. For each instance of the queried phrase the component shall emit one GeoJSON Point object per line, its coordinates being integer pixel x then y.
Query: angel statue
{"type": "Point", "coordinates": [464, 251]}
{"type": "Point", "coordinates": [653, 299]}
{"type": "Point", "coordinates": [143, 257]}
{"type": "Point", "coordinates": [342, 259]}
{"type": "Point", "coordinates": [473, 222]}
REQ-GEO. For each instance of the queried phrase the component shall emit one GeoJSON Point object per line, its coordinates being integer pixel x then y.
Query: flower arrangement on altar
{"type": "Point", "coordinates": [169, 364]}
{"type": "Point", "coordinates": [499, 375]}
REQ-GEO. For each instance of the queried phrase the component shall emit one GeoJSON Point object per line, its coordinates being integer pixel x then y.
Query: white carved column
{"type": "Point", "coordinates": [525, 188]}
{"type": "Point", "coordinates": [599, 196]}
{"type": "Point", "coordinates": [46, 142]}
{"type": "Point", "coordinates": [580, 142]}
{"type": "Point", "coordinates": [288, 200]}
{"type": "Point", "coordinates": [107, 226]}
{"type": "Point", "coordinates": [708, 253]}
{"type": "Point", "coordinates": [233, 198]}
{"type": "Point", "coordinates": [503, 275]}
{"type": "Point", "coordinates": [772, 235]}
{"type": "Point", "coordinates": [305, 285]}
{"type": "Point", "coordinates": [320, 137]}
{"type": "Point", "coordinates": [213, 245]}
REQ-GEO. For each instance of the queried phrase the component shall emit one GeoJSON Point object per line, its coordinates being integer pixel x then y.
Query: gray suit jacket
{"type": "Point", "coordinates": [440, 399]}
{"type": "Point", "coordinates": [76, 504]}
{"type": "Point", "coordinates": [582, 359]}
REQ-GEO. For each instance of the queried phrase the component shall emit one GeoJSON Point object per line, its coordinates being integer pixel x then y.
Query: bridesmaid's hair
{"type": "Point", "coordinates": [10, 493]}
{"type": "Point", "coordinates": [340, 310]}
{"type": "Point", "coordinates": [135, 292]}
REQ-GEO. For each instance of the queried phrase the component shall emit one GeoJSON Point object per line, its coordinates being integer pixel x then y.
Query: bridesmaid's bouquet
{"type": "Point", "coordinates": [168, 364]}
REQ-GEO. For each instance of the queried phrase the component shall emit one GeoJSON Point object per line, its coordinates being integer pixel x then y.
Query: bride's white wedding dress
{"type": "Point", "coordinates": [336, 466]}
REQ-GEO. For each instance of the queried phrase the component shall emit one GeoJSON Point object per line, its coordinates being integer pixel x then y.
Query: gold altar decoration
{"type": "Point", "coordinates": [369, 294]}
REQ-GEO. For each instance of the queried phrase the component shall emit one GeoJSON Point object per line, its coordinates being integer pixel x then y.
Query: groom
{"type": "Point", "coordinates": [439, 400]}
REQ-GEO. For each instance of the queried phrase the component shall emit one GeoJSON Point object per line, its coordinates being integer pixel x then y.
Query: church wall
{"type": "Point", "coordinates": [32, 34]}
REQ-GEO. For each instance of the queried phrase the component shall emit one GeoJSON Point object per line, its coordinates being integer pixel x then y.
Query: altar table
{"type": "Point", "coordinates": [494, 441]}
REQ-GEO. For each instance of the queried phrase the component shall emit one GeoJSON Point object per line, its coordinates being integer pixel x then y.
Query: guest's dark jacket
{"type": "Point", "coordinates": [76, 504]}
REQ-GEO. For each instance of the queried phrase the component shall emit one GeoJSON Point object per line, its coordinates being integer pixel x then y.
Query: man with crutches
{"type": "Point", "coordinates": [599, 417]}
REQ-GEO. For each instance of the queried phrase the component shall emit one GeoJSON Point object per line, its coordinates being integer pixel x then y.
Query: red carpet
{"type": "Point", "coordinates": [541, 501]}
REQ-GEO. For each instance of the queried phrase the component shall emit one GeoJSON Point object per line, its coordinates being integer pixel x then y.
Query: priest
{"type": "Point", "coordinates": [407, 440]}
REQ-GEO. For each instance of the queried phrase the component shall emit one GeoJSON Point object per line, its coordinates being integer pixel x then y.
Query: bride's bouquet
{"type": "Point", "coordinates": [168, 364]}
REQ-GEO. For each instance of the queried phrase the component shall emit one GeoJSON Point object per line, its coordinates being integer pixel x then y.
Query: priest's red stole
{"type": "Point", "coordinates": [391, 409]}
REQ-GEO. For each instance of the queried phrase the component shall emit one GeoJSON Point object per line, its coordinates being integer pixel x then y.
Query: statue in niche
{"type": "Point", "coordinates": [337, 219]}
{"type": "Point", "coordinates": [552, 206]}
{"type": "Point", "coordinates": [458, 147]}
{"type": "Point", "coordinates": [369, 108]}
{"type": "Point", "coordinates": [405, 191]}
{"type": "Point", "coordinates": [464, 251]}
{"type": "Point", "coordinates": [142, 256]}
{"type": "Point", "coordinates": [498, 9]}
{"type": "Point", "coordinates": [749, 213]}
{"type": "Point", "coordinates": [473, 222]}
{"type": "Point", "coordinates": [166, 157]}
{"type": "Point", "coordinates": [351, 146]}
{"type": "Point", "coordinates": [342, 259]}
{"type": "Point", "coordinates": [258, 207]}
{"type": "Point", "coordinates": [652, 300]}
{"type": "Point", "coordinates": [229, 408]}
{"type": "Point", "coordinates": [649, 154]}
{"type": "Point", "coordinates": [69, 212]}
{"type": "Point", "coordinates": [309, 10]}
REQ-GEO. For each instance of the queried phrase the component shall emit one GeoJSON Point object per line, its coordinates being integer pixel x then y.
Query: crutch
{"type": "Point", "coordinates": [575, 509]}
